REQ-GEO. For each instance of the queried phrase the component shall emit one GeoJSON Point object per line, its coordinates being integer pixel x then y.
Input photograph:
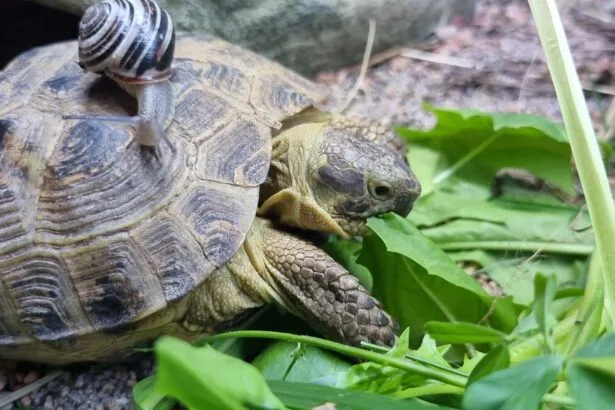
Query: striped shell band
{"type": "Point", "coordinates": [130, 40]}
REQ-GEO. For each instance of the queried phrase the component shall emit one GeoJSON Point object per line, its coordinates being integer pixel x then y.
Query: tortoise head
{"type": "Point", "coordinates": [329, 176]}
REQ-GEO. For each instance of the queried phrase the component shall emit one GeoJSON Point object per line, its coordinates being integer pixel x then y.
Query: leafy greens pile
{"type": "Point", "coordinates": [538, 333]}
{"type": "Point", "coordinates": [533, 340]}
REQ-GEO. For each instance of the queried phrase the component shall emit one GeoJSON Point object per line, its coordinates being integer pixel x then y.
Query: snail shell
{"type": "Point", "coordinates": [129, 40]}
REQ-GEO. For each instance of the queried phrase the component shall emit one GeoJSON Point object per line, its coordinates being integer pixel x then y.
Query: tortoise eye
{"type": "Point", "coordinates": [380, 190]}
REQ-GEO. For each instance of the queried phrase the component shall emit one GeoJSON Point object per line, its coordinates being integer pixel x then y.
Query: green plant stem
{"type": "Point", "coordinates": [435, 374]}
{"type": "Point", "coordinates": [585, 149]}
{"type": "Point", "coordinates": [534, 346]}
{"type": "Point", "coordinates": [561, 400]}
{"type": "Point", "coordinates": [564, 248]}
{"type": "Point", "coordinates": [443, 176]}
{"type": "Point", "coordinates": [418, 359]}
{"type": "Point", "coordinates": [588, 324]}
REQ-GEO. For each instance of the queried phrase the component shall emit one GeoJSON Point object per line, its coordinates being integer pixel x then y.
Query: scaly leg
{"type": "Point", "coordinates": [274, 265]}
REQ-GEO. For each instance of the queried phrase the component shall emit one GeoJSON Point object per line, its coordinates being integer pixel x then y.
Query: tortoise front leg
{"type": "Point", "coordinates": [276, 266]}
{"type": "Point", "coordinates": [314, 286]}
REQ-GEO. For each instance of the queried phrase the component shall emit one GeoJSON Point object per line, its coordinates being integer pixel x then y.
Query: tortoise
{"type": "Point", "coordinates": [103, 247]}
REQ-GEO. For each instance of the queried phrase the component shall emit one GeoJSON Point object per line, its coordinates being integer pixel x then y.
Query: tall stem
{"type": "Point", "coordinates": [585, 149]}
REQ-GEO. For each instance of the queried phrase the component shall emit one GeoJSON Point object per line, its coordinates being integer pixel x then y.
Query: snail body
{"type": "Point", "coordinates": [133, 43]}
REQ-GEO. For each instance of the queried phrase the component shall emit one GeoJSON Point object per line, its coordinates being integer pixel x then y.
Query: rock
{"type": "Point", "coordinates": [308, 35]}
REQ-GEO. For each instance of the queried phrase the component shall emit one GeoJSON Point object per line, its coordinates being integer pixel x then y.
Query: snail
{"type": "Point", "coordinates": [133, 43]}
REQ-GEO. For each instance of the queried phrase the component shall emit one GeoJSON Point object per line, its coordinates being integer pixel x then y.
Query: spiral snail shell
{"type": "Point", "coordinates": [133, 43]}
{"type": "Point", "coordinates": [129, 40]}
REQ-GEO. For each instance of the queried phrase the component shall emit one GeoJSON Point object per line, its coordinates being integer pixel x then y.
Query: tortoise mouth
{"type": "Point", "coordinates": [352, 225]}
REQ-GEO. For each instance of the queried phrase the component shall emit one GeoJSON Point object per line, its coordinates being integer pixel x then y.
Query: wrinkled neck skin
{"type": "Point", "coordinates": [295, 154]}
{"type": "Point", "coordinates": [288, 194]}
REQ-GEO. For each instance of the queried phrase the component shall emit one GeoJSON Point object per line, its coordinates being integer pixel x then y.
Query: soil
{"type": "Point", "coordinates": [495, 63]}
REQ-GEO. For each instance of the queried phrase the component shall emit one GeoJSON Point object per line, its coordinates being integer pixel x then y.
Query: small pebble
{"type": "Point", "coordinates": [79, 382]}
{"type": "Point", "coordinates": [26, 400]}
{"type": "Point", "coordinates": [107, 388]}
{"type": "Point", "coordinates": [31, 377]}
{"type": "Point", "coordinates": [3, 380]}
{"type": "Point", "coordinates": [48, 403]}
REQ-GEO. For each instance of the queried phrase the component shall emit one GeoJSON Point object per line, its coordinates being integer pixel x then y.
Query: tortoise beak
{"type": "Point", "coordinates": [407, 194]}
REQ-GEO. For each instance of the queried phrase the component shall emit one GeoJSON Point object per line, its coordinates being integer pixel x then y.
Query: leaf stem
{"type": "Point", "coordinates": [380, 358]}
{"type": "Point", "coordinates": [444, 377]}
{"type": "Point", "coordinates": [418, 359]}
{"type": "Point", "coordinates": [583, 142]}
{"type": "Point", "coordinates": [442, 176]}
{"type": "Point", "coordinates": [588, 324]}
{"type": "Point", "coordinates": [564, 248]}
{"type": "Point", "coordinates": [557, 399]}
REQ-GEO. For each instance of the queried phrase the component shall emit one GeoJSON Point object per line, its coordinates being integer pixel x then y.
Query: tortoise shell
{"type": "Point", "coordinates": [94, 234]}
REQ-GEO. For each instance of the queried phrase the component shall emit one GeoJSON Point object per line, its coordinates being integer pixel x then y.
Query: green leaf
{"type": "Point", "coordinates": [307, 396]}
{"type": "Point", "coordinates": [376, 378]}
{"type": "Point", "coordinates": [205, 378]}
{"type": "Point", "coordinates": [457, 222]}
{"type": "Point", "coordinates": [498, 358]}
{"type": "Point", "coordinates": [429, 350]}
{"type": "Point", "coordinates": [145, 396]}
{"type": "Point", "coordinates": [518, 387]}
{"type": "Point", "coordinates": [417, 282]}
{"type": "Point", "coordinates": [592, 390]}
{"type": "Point", "coordinates": [428, 390]}
{"type": "Point", "coordinates": [460, 332]}
{"type": "Point", "coordinates": [514, 274]}
{"type": "Point", "coordinates": [591, 374]}
{"type": "Point", "coordinates": [475, 145]}
{"type": "Point", "coordinates": [602, 349]}
{"type": "Point", "coordinates": [604, 365]}
{"type": "Point", "coordinates": [544, 289]}
{"type": "Point", "coordinates": [287, 361]}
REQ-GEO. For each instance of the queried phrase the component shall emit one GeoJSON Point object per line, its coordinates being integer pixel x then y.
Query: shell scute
{"type": "Point", "coordinates": [177, 257]}
{"type": "Point", "coordinates": [129, 234]}
{"type": "Point", "coordinates": [43, 295]}
{"type": "Point", "coordinates": [216, 214]}
{"type": "Point", "coordinates": [199, 114]}
{"type": "Point", "coordinates": [238, 153]}
{"type": "Point", "coordinates": [113, 281]}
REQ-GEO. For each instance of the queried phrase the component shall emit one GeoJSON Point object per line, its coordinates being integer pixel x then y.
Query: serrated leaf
{"type": "Point", "coordinates": [449, 218]}
{"type": "Point", "coordinates": [475, 145]}
{"type": "Point", "coordinates": [417, 282]}
{"type": "Point", "coordinates": [496, 359]}
{"type": "Point", "coordinates": [303, 396]}
{"type": "Point", "coordinates": [519, 387]}
{"type": "Point", "coordinates": [429, 350]}
{"type": "Point", "coordinates": [514, 274]}
{"type": "Point", "coordinates": [460, 332]}
{"type": "Point", "coordinates": [377, 378]}
{"type": "Point", "coordinates": [202, 377]}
